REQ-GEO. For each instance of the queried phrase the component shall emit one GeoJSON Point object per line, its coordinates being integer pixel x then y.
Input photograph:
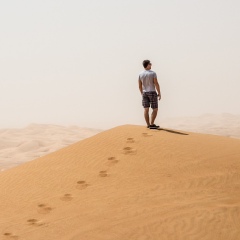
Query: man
{"type": "Point", "coordinates": [147, 83]}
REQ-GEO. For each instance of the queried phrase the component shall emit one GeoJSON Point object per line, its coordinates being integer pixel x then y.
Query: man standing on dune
{"type": "Point", "coordinates": [147, 83]}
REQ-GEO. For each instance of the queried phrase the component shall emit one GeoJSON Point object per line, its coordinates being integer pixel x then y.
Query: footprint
{"type": "Point", "coordinates": [112, 161]}
{"type": "Point", "coordinates": [43, 208]}
{"type": "Point", "coordinates": [36, 222]}
{"type": "Point", "coordinates": [103, 174]}
{"type": "Point", "coordinates": [146, 134]}
{"type": "Point", "coordinates": [130, 140]}
{"type": "Point", "coordinates": [129, 150]}
{"type": "Point", "coordinates": [66, 197]}
{"type": "Point", "coordinates": [8, 235]}
{"type": "Point", "coordinates": [81, 185]}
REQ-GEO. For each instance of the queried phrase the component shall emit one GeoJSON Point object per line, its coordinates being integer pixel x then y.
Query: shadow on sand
{"type": "Point", "coordinates": [171, 131]}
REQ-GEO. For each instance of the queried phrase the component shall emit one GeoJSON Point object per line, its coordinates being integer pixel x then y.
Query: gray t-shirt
{"type": "Point", "coordinates": [146, 78]}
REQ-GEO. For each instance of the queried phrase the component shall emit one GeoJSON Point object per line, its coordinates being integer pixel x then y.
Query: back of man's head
{"type": "Point", "coordinates": [145, 63]}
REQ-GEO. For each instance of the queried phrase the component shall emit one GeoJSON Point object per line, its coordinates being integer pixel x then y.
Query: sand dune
{"type": "Point", "coordinates": [20, 145]}
{"type": "Point", "coordinates": [127, 183]}
{"type": "Point", "coordinates": [224, 124]}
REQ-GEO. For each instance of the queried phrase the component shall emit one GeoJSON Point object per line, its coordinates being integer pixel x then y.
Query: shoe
{"type": "Point", "coordinates": [154, 126]}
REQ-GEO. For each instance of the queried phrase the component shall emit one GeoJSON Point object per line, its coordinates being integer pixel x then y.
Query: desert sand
{"type": "Point", "coordinates": [128, 182]}
{"type": "Point", "coordinates": [19, 145]}
{"type": "Point", "coordinates": [224, 124]}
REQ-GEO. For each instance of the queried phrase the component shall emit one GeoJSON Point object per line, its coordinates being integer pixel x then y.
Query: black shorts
{"type": "Point", "coordinates": [150, 98]}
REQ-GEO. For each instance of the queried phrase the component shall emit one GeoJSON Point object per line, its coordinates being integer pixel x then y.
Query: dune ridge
{"type": "Point", "coordinates": [128, 182]}
{"type": "Point", "coordinates": [21, 145]}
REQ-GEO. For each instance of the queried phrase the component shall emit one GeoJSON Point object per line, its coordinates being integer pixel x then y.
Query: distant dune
{"type": "Point", "coordinates": [225, 124]}
{"type": "Point", "coordinates": [127, 183]}
{"type": "Point", "coordinates": [20, 145]}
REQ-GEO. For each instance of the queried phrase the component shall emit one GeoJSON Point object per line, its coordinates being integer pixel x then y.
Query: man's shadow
{"type": "Point", "coordinates": [171, 131]}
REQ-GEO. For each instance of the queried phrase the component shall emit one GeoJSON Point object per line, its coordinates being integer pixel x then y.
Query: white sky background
{"type": "Point", "coordinates": [77, 62]}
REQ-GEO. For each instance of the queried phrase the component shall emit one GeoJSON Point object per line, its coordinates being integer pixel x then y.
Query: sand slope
{"type": "Point", "coordinates": [126, 183]}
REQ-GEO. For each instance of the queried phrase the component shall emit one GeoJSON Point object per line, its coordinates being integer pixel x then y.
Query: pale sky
{"type": "Point", "coordinates": [77, 62]}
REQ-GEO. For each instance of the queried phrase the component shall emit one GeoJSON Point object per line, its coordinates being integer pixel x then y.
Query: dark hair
{"type": "Point", "coordinates": [145, 63]}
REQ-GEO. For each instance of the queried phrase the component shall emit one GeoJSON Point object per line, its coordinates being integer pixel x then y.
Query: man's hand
{"type": "Point", "coordinates": [159, 97]}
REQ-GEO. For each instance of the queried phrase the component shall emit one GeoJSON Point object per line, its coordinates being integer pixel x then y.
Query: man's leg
{"type": "Point", "coordinates": [154, 115]}
{"type": "Point", "coordinates": [146, 116]}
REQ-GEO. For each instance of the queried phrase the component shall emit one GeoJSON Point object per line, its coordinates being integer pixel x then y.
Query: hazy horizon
{"type": "Point", "coordinates": [77, 63]}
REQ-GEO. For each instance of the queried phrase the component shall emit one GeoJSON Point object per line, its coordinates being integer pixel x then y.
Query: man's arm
{"type": "Point", "coordinates": [157, 87]}
{"type": "Point", "coordinates": [140, 86]}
